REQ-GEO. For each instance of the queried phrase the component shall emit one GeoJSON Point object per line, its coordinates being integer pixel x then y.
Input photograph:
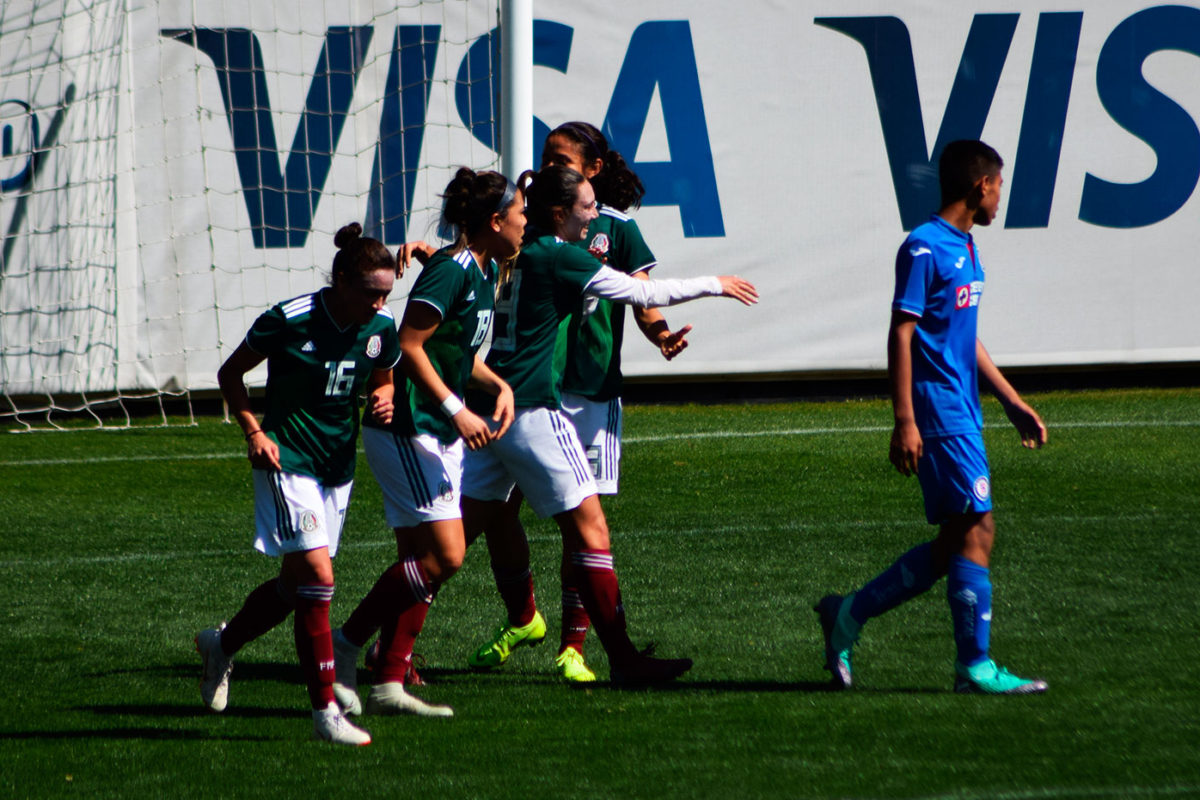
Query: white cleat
{"type": "Point", "coordinates": [390, 698]}
{"type": "Point", "coordinates": [215, 670]}
{"type": "Point", "coordinates": [345, 668]}
{"type": "Point", "coordinates": [331, 725]}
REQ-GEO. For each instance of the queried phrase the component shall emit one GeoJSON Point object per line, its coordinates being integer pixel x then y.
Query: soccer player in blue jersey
{"type": "Point", "coordinates": [935, 360]}
{"type": "Point", "coordinates": [321, 349]}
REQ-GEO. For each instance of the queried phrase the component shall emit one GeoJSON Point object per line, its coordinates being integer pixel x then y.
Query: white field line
{"type": "Point", "coordinates": [782, 527]}
{"type": "Point", "coordinates": [672, 437]}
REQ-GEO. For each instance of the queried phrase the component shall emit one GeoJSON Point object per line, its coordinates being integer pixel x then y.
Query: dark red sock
{"type": "Point", "coordinates": [265, 607]}
{"type": "Point", "coordinates": [400, 630]}
{"type": "Point", "coordinates": [575, 620]}
{"type": "Point", "coordinates": [516, 590]}
{"type": "Point", "coordinates": [314, 644]}
{"type": "Point", "coordinates": [592, 571]}
{"type": "Point", "coordinates": [390, 590]}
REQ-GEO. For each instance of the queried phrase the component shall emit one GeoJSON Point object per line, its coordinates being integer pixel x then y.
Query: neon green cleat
{"type": "Point", "coordinates": [987, 677]}
{"type": "Point", "coordinates": [506, 639]}
{"type": "Point", "coordinates": [571, 667]}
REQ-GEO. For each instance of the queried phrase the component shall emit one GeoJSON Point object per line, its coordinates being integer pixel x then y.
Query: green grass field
{"type": "Point", "coordinates": [119, 546]}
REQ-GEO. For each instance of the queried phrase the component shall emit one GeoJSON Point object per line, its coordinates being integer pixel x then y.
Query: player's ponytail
{"type": "Point", "coordinates": [547, 189]}
{"type": "Point", "coordinates": [616, 184]}
{"type": "Point", "coordinates": [357, 254]}
{"type": "Point", "coordinates": [470, 200]}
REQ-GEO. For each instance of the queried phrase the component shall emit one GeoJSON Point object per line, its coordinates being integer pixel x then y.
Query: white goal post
{"type": "Point", "coordinates": [170, 169]}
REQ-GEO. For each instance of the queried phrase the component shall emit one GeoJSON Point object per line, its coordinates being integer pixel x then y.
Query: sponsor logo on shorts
{"type": "Point", "coordinates": [374, 346]}
{"type": "Point", "coordinates": [982, 487]}
{"type": "Point", "coordinates": [309, 521]}
{"type": "Point", "coordinates": [446, 491]}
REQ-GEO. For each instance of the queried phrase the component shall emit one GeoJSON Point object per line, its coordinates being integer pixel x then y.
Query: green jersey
{"type": "Point", "coordinates": [546, 286]}
{"type": "Point", "coordinates": [464, 295]}
{"type": "Point", "coordinates": [315, 373]}
{"type": "Point", "coordinates": [592, 335]}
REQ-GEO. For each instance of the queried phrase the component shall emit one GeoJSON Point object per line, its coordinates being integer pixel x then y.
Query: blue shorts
{"type": "Point", "coordinates": [954, 477]}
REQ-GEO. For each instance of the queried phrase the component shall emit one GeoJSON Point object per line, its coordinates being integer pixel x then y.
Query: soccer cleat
{"type": "Point", "coordinates": [345, 670]}
{"type": "Point", "coordinates": [644, 670]}
{"type": "Point", "coordinates": [987, 677]}
{"type": "Point", "coordinates": [507, 638]}
{"type": "Point", "coordinates": [331, 725]}
{"type": "Point", "coordinates": [390, 698]}
{"type": "Point", "coordinates": [571, 667]}
{"type": "Point", "coordinates": [214, 675]}
{"type": "Point", "coordinates": [837, 643]}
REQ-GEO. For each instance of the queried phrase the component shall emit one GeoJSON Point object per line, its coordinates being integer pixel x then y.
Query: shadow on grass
{"type": "Point", "coordinates": [155, 734]}
{"type": "Point", "coordinates": [196, 711]}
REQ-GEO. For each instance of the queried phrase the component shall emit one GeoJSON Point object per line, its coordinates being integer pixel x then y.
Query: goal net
{"type": "Point", "coordinates": [168, 170]}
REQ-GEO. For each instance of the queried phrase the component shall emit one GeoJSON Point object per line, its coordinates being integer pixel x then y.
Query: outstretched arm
{"type": "Point", "coordinates": [619, 287]}
{"type": "Point", "coordinates": [1027, 422]}
{"type": "Point", "coordinates": [656, 330]}
{"type": "Point", "coordinates": [906, 446]}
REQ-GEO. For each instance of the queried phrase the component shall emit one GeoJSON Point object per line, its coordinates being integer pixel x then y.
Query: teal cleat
{"type": "Point", "coordinates": [834, 611]}
{"type": "Point", "coordinates": [987, 677]}
{"type": "Point", "coordinates": [508, 637]}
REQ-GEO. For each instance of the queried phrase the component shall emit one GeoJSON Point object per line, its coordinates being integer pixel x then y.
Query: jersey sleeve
{"type": "Point", "coordinates": [914, 268]}
{"type": "Point", "coordinates": [268, 333]}
{"type": "Point", "coordinates": [622, 288]}
{"type": "Point", "coordinates": [575, 268]}
{"type": "Point", "coordinates": [631, 253]}
{"type": "Point", "coordinates": [438, 284]}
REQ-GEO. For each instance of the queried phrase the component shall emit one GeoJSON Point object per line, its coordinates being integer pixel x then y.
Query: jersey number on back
{"type": "Point", "coordinates": [505, 337]}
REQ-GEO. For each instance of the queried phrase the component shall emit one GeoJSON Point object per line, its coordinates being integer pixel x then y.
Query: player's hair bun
{"type": "Point", "coordinates": [347, 235]}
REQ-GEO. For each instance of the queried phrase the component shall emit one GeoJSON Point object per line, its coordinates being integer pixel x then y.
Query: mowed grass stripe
{"type": "Point", "coordinates": [671, 437]}
{"type": "Point", "coordinates": [783, 526]}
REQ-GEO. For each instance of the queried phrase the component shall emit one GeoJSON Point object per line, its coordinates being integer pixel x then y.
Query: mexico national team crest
{"type": "Point", "coordinates": [600, 246]}
{"type": "Point", "coordinates": [982, 487]}
{"type": "Point", "coordinates": [374, 346]}
{"type": "Point", "coordinates": [446, 491]}
{"type": "Point", "coordinates": [308, 521]}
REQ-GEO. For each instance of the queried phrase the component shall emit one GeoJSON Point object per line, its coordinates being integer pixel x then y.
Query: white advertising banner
{"type": "Point", "coordinates": [168, 170]}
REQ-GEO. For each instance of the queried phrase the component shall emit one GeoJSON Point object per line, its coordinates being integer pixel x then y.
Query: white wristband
{"type": "Point", "coordinates": [451, 405]}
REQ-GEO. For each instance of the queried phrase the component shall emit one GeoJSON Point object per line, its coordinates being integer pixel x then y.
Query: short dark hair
{"type": "Point", "coordinates": [962, 164]}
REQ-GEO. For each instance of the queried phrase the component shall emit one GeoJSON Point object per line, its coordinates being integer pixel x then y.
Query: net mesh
{"type": "Point", "coordinates": [169, 170]}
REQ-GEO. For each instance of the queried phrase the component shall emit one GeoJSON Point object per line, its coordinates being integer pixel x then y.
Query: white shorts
{"type": "Point", "coordinates": [599, 427]}
{"type": "Point", "coordinates": [294, 513]}
{"type": "Point", "coordinates": [420, 477]}
{"type": "Point", "coordinates": [541, 452]}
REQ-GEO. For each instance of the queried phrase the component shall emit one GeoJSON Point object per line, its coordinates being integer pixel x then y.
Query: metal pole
{"type": "Point", "coordinates": [516, 86]}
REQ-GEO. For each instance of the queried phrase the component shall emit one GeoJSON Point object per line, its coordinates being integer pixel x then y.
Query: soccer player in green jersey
{"type": "Point", "coordinates": [542, 452]}
{"type": "Point", "coordinates": [417, 457]}
{"type": "Point", "coordinates": [321, 349]}
{"type": "Point", "coordinates": [591, 339]}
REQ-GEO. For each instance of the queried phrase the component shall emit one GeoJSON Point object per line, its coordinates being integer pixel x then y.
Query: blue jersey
{"type": "Point", "coordinates": [939, 280]}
